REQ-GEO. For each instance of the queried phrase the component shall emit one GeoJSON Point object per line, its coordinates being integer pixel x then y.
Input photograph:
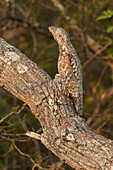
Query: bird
{"type": "Point", "coordinates": [69, 67]}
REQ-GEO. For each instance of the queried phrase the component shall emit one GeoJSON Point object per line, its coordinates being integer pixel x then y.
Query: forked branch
{"type": "Point", "coordinates": [64, 133]}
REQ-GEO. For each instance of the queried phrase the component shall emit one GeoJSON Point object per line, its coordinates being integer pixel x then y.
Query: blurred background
{"type": "Point", "coordinates": [24, 24]}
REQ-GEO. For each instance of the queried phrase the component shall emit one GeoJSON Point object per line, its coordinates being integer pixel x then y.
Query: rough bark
{"type": "Point", "coordinates": [64, 133]}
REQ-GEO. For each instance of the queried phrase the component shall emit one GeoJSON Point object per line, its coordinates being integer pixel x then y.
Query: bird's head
{"type": "Point", "coordinates": [59, 35]}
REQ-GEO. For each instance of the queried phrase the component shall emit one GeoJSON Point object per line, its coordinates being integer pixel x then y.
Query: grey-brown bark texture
{"type": "Point", "coordinates": [69, 67]}
{"type": "Point", "coordinates": [64, 133]}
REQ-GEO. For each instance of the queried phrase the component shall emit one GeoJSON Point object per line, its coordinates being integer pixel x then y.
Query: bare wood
{"type": "Point", "coordinates": [64, 133]}
{"type": "Point", "coordinates": [33, 135]}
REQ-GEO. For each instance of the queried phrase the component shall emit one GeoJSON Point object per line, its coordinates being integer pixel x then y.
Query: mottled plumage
{"type": "Point", "coordinates": [69, 67]}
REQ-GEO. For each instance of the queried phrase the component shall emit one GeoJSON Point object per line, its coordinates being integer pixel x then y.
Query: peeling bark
{"type": "Point", "coordinates": [64, 133]}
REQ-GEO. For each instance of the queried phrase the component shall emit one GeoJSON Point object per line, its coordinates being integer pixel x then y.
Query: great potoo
{"type": "Point", "coordinates": [69, 67]}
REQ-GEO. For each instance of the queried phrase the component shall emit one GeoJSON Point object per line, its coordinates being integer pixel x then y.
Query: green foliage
{"type": "Point", "coordinates": [109, 29]}
{"type": "Point", "coordinates": [11, 148]}
{"type": "Point", "coordinates": [107, 15]}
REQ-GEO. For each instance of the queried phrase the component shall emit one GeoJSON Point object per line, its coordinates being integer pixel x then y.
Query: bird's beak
{"type": "Point", "coordinates": [52, 29]}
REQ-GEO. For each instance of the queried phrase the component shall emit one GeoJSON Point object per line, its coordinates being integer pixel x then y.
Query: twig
{"type": "Point", "coordinates": [98, 129]}
{"type": "Point", "coordinates": [99, 52]}
{"type": "Point", "coordinates": [1, 120]}
{"type": "Point", "coordinates": [24, 154]}
{"type": "Point", "coordinates": [37, 165]}
{"type": "Point", "coordinates": [33, 135]}
{"type": "Point", "coordinates": [13, 112]}
{"type": "Point", "coordinates": [47, 6]}
{"type": "Point", "coordinates": [106, 95]}
{"type": "Point", "coordinates": [34, 43]}
{"type": "Point", "coordinates": [72, 21]}
{"type": "Point", "coordinates": [30, 24]}
{"type": "Point", "coordinates": [23, 12]}
{"type": "Point", "coordinates": [19, 140]}
{"type": "Point", "coordinates": [10, 134]}
{"type": "Point", "coordinates": [30, 10]}
{"type": "Point", "coordinates": [102, 99]}
{"type": "Point", "coordinates": [99, 80]}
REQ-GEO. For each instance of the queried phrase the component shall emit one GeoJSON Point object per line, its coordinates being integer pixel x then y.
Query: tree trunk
{"type": "Point", "coordinates": [64, 133]}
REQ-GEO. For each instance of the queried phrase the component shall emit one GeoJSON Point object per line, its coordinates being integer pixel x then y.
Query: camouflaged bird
{"type": "Point", "coordinates": [69, 67]}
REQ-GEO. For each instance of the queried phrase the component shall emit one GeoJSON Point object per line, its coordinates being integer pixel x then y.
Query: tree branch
{"type": "Point", "coordinates": [64, 133]}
